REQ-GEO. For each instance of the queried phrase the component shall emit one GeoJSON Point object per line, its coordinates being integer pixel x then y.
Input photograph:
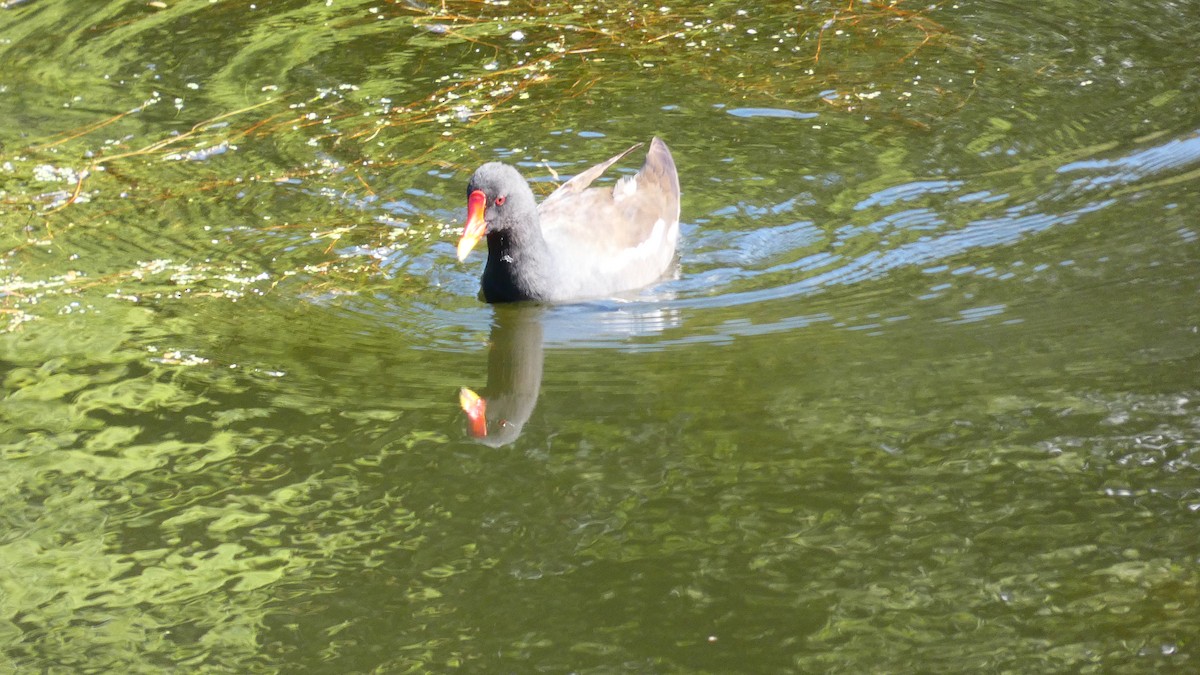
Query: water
{"type": "Point", "coordinates": [920, 396]}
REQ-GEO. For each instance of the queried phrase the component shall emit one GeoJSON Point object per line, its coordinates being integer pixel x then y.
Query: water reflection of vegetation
{"type": "Point", "coordinates": [525, 43]}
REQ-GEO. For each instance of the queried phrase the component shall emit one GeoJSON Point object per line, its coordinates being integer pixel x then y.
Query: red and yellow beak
{"type": "Point", "coordinates": [476, 227]}
{"type": "Point", "coordinates": [476, 409]}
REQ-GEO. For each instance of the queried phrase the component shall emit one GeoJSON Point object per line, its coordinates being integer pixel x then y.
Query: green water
{"type": "Point", "coordinates": [921, 397]}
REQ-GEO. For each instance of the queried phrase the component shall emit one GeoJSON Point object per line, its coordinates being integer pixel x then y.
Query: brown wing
{"type": "Point", "coordinates": [579, 183]}
{"type": "Point", "coordinates": [608, 220]}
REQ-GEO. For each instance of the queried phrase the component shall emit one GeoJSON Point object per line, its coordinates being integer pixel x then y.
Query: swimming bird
{"type": "Point", "coordinates": [581, 242]}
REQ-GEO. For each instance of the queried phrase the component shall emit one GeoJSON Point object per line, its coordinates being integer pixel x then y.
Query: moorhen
{"type": "Point", "coordinates": [580, 242]}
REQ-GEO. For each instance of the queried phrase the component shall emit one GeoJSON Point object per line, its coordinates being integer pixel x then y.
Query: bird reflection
{"type": "Point", "coordinates": [496, 415]}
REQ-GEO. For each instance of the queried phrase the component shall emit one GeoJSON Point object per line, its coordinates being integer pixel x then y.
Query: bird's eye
{"type": "Point", "coordinates": [500, 200]}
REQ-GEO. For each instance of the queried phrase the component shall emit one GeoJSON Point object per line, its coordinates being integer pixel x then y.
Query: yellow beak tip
{"type": "Point", "coordinates": [465, 248]}
{"type": "Point", "coordinates": [467, 399]}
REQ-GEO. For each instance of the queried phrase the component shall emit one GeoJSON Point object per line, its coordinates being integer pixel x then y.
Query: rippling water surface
{"type": "Point", "coordinates": [920, 394]}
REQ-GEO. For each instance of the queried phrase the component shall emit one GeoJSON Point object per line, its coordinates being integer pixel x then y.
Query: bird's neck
{"type": "Point", "coordinates": [518, 262]}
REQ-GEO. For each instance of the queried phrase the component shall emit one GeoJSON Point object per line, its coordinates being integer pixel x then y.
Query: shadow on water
{"type": "Point", "coordinates": [514, 377]}
{"type": "Point", "coordinates": [516, 352]}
